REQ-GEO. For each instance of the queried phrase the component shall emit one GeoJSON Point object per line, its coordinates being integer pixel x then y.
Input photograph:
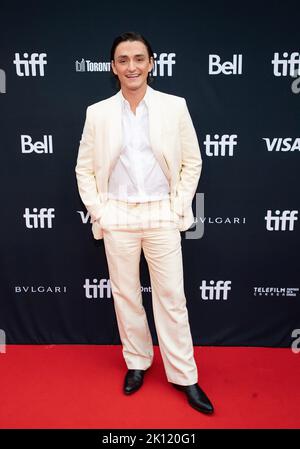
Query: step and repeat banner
{"type": "Point", "coordinates": [238, 67]}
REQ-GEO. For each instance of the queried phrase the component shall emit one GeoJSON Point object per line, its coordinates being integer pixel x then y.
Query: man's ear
{"type": "Point", "coordinates": [152, 62]}
{"type": "Point", "coordinates": [112, 64]}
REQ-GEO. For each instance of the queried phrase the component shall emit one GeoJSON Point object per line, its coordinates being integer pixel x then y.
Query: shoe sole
{"type": "Point", "coordinates": [207, 412]}
{"type": "Point", "coordinates": [131, 392]}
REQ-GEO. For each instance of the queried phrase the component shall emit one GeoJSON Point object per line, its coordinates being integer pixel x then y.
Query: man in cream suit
{"type": "Point", "coordinates": [137, 171]}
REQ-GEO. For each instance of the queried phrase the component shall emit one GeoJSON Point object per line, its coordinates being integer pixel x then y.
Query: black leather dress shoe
{"type": "Point", "coordinates": [133, 380]}
{"type": "Point", "coordinates": [196, 398]}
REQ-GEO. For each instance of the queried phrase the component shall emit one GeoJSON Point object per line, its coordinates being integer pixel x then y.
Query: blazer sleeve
{"type": "Point", "coordinates": [191, 163]}
{"type": "Point", "coordinates": [84, 169]}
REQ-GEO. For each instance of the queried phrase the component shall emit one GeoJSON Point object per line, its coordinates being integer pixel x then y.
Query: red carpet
{"type": "Point", "coordinates": [78, 386]}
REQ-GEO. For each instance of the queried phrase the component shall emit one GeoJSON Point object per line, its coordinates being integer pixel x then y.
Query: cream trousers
{"type": "Point", "coordinates": [161, 244]}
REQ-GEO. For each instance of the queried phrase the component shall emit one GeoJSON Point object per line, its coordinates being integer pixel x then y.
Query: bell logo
{"type": "Point", "coordinates": [46, 146]}
{"type": "Point", "coordinates": [227, 67]}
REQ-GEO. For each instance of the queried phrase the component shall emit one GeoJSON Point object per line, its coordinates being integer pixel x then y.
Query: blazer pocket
{"type": "Point", "coordinates": [105, 206]}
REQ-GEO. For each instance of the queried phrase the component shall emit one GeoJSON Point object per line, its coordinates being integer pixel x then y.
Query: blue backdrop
{"type": "Point", "coordinates": [237, 65]}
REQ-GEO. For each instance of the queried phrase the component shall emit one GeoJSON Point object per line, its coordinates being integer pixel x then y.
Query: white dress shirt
{"type": "Point", "coordinates": [137, 176]}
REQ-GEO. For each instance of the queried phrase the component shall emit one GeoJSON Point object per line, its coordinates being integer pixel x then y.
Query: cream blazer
{"type": "Point", "coordinates": [174, 144]}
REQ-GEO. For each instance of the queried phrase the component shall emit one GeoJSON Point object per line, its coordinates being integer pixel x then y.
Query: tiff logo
{"type": "Point", "coordinates": [288, 65]}
{"type": "Point", "coordinates": [97, 289]}
{"type": "Point", "coordinates": [2, 82]}
{"type": "Point", "coordinates": [37, 219]}
{"type": "Point", "coordinates": [279, 221]}
{"type": "Point", "coordinates": [216, 290]}
{"type": "Point", "coordinates": [2, 341]}
{"type": "Point", "coordinates": [227, 67]}
{"type": "Point", "coordinates": [28, 67]}
{"type": "Point", "coordinates": [220, 146]}
{"type": "Point", "coordinates": [45, 146]}
{"type": "Point", "coordinates": [165, 60]}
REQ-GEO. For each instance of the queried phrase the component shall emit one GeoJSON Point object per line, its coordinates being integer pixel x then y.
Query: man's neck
{"type": "Point", "coordinates": [134, 96]}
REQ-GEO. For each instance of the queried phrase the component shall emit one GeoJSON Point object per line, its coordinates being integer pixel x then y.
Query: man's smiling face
{"type": "Point", "coordinates": [131, 64]}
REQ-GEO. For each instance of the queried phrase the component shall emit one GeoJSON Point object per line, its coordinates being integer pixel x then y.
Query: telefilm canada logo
{"type": "Point", "coordinates": [276, 291]}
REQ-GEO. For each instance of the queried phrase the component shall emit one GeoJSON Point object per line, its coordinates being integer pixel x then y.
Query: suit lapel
{"type": "Point", "coordinates": [156, 130]}
{"type": "Point", "coordinates": [114, 126]}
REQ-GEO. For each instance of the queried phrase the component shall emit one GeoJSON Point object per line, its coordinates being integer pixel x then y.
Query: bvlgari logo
{"type": "Point", "coordinates": [221, 220]}
{"type": "Point", "coordinates": [26, 289]}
